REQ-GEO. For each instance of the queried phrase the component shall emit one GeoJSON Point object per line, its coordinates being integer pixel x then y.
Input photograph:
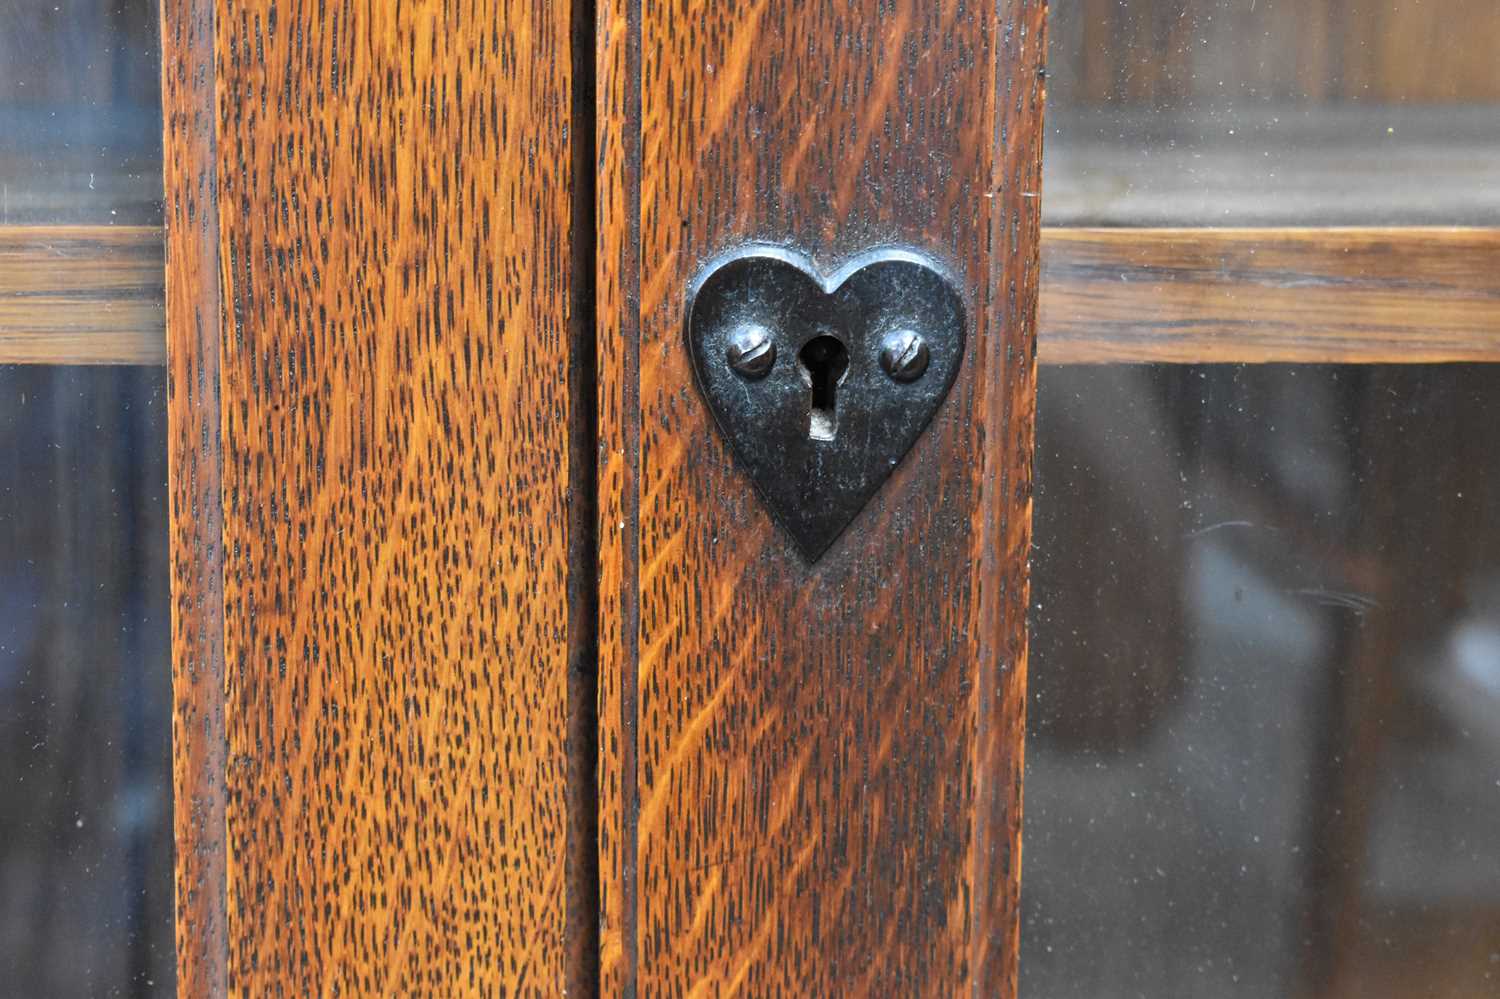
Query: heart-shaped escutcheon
{"type": "Point", "coordinates": [821, 385]}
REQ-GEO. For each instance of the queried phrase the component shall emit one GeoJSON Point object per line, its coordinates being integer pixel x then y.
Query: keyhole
{"type": "Point", "coordinates": [824, 361]}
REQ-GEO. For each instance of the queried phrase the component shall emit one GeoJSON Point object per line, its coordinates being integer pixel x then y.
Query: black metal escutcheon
{"type": "Point", "coordinates": [822, 385]}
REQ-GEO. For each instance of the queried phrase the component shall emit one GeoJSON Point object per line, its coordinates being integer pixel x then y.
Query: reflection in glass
{"type": "Point", "coordinates": [85, 678]}
{"type": "Point", "coordinates": [1264, 753]}
{"type": "Point", "coordinates": [80, 112]}
{"type": "Point", "coordinates": [85, 684]}
{"type": "Point", "coordinates": [1273, 112]}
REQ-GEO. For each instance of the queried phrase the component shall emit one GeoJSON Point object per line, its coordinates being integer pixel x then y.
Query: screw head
{"type": "Point", "coordinates": [751, 352]}
{"type": "Point", "coordinates": [904, 355]}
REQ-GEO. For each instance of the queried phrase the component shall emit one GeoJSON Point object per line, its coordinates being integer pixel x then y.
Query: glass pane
{"type": "Point", "coordinates": [80, 112]}
{"type": "Point", "coordinates": [1264, 736]}
{"type": "Point", "coordinates": [85, 684]}
{"type": "Point", "coordinates": [1273, 112]}
{"type": "Point", "coordinates": [85, 679]}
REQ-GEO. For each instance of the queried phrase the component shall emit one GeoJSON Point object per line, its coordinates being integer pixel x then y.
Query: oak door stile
{"type": "Point", "coordinates": [810, 771]}
{"type": "Point", "coordinates": [372, 325]}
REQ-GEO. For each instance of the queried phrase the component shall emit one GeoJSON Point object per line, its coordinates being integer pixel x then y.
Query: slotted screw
{"type": "Point", "coordinates": [751, 351]}
{"type": "Point", "coordinates": [904, 355]}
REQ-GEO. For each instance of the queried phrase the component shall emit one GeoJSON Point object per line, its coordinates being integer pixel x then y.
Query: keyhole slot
{"type": "Point", "coordinates": [824, 361]}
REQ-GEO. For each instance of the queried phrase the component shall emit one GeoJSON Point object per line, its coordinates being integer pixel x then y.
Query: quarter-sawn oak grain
{"type": "Point", "coordinates": [371, 330]}
{"type": "Point", "coordinates": [811, 773]}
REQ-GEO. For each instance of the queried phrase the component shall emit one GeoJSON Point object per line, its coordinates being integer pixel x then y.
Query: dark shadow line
{"type": "Point", "coordinates": [583, 518]}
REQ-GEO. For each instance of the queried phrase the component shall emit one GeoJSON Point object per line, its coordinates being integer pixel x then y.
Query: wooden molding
{"type": "Point", "coordinates": [195, 324]}
{"type": "Point", "coordinates": [92, 295]}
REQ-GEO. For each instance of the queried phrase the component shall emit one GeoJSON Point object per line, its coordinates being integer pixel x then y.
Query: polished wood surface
{"type": "Point", "coordinates": [195, 324]}
{"type": "Point", "coordinates": [81, 295]}
{"type": "Point", "coordinates": [617, 292]}
{"type": "Point", "coordinates": [811, 773]}
{"type": "Point", "coordinates": [1190, 296]}
{"type": "Point", "coordinates": [372, 323]}
{"type": "Point", "coordinates": [1254, 296]}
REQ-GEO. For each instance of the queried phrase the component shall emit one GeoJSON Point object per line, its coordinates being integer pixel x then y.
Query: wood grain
{"type": "Point", "coordinates": [811, 774]}
{"type": "Point", "coordinates": [194, 326]}
{"type": "Point", "coordinates": [81, 295]}
{"type": "Point", "coordinates": [617, 295]}
{"type": "Point", "coordinates": [1189, 296]}
{"type": "Point", "coordinates": [374, 337]}
{"type": "Point", "coordinates": [1255, 296]}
